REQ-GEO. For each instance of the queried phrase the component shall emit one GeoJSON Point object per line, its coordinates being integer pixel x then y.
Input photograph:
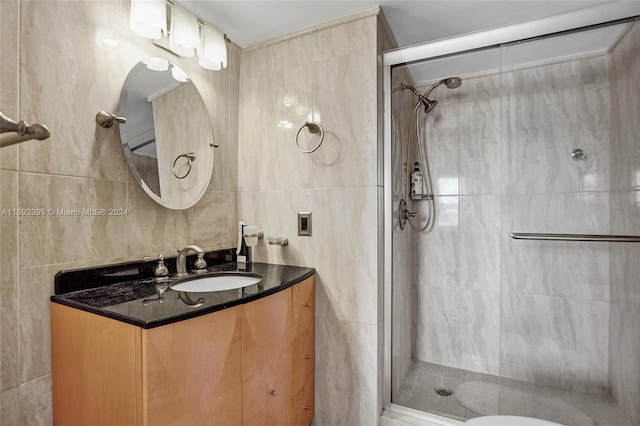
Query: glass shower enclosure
{"type": "Point", "coordinates": [540, 138]}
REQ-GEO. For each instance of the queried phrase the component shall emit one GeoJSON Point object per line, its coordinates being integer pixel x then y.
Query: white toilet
{"type": "Point", "coordinates": [508, 421]}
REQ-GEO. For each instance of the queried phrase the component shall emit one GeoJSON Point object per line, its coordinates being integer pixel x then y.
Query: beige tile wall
{"type": "Point", "coordinates": [63, 77]}
{"type": "Point", "coordinates": [624, 362]}
{"type": "Point", "coordinates": [330, 76]}
{"type": "Point", "coordinates": [54, 71]}
{"type": "Point", "coordinates": [9, 333]}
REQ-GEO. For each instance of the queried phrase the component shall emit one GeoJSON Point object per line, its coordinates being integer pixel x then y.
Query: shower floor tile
{"type": "Point", "coordinates": [501, 396]}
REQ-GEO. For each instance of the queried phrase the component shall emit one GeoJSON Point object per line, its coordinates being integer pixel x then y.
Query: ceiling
{"type": "Point", "coordinates": [249, 22]}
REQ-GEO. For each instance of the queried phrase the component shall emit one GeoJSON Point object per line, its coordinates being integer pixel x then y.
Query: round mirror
{"type": "Point", "coordinates": [167, 139]}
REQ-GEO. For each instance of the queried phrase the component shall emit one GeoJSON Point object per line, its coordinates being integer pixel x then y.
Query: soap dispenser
{"type": "Point", "coordinates": [242, 252]}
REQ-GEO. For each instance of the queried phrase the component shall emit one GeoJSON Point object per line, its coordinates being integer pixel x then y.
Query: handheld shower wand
{"type": "Point", "coordinates": [425, 192]}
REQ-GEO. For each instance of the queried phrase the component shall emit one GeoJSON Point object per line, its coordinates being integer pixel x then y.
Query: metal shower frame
{"type": "Point", "coordinates": [582, 18]}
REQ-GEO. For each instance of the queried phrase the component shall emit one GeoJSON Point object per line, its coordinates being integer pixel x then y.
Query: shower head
{"type": "Point", "coordinates": [450, 82]}
{"type": "Point", "coordinates": [453, 82]}
{"type": "Point", "coordinates": [429, 104]}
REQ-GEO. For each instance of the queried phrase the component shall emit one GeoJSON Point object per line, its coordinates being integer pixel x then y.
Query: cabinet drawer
{"type": "Point", "coordinates": [303, 359]}
{"type": "Point", "coordinates": [266, 360]}
{"type": "Point", "coordinates": [303, 300]}
{"type": "Point", "coordinates": [303, 408]}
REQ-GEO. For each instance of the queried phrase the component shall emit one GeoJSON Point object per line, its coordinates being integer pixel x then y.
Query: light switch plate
{"type": "Point", "coordinates": [304, 223]}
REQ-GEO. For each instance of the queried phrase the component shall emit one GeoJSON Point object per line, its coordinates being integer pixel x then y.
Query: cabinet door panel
{"type": "Point", "coordinates": [303, 405]}
{"type": "Point", "coordinates": [266, 360]}
{"type": "Point", "coordinates": [96, 369]}
{"type": "Point", "coordinates": [192, 371]}
{"type": "Point", "coordinates": [303, 359]}
{"type": "Point", "coordinates": [303, 306]}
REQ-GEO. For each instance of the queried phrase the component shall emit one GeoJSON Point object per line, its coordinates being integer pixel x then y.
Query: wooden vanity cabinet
{"type": "Point", "coordinates": [303, 348]}
{"type": "Point", "coordinates": [106, 372]}
{"type": "Point", "coordinates": [96, 366]}
{"type": "Point", "coordinates": [190, 371]}
{"type": "Point", "coordinates": [248, 365]}
{"type": "Point", "coordinates": [278, 358]}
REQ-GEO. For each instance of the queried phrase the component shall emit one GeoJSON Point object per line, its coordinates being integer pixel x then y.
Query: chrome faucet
{"type": "Point", "coordinates": [181, 262]}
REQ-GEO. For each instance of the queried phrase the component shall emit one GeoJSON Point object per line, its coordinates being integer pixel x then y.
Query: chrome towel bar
{"type": "Point", "coordinates": [577, 237]}
{"type": "Point", "coordinates": [20, 132]}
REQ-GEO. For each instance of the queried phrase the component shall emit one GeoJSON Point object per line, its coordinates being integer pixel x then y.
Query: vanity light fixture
{"type": "Point", "coordinates": [148, 18]}
{"type": "Point", "coordinates": [212, 52]}
{"type": "Point", "coordinates": [187, 33]}
{"type": "Point", "coordinates": [184, 34]}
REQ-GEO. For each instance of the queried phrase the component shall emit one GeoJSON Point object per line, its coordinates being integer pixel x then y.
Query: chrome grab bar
{"type": "Point", "coordinates": [576, 237]}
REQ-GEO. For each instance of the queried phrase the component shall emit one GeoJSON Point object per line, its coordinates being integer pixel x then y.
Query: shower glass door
{"type": "Point", "coordinates": [541, 137]}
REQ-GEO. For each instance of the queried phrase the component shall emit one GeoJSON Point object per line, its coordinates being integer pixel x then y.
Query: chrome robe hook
{"type": "Point", "coordinates": [106, 119]}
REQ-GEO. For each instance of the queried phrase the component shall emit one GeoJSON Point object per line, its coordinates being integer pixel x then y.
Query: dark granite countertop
{"type": "Point", "coordinates": [127, 293]}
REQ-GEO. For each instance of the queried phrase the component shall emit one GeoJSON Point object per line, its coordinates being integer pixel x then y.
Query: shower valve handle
{"type": "Point", "coordinates": [407, 214]}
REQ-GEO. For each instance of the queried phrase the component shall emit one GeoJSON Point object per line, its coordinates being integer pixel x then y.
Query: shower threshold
{"type": "Point", "coordinates": [476, 394]}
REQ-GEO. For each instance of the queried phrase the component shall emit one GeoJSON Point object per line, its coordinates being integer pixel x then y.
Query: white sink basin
{"type": "Point", "coordinates": [216, 283]}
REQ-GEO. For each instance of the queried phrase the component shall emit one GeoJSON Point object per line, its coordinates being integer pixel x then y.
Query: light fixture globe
{"type": "Point", "coordinates": [212, 52]}
{"type": "Point", "coordinates": [148, 18]}
{"type": "Point", "coordinates": [184, 34]}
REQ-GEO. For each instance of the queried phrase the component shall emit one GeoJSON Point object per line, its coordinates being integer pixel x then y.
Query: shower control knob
{"type": "Point", "coordinates": [578, 154]}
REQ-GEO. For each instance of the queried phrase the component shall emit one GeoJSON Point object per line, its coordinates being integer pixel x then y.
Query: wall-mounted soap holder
{"type": "Point", "coordinates": [278, 240]}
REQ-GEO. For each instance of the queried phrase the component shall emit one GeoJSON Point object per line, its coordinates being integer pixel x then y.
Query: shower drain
{"type": "Point", "coordinates": [443, 391]}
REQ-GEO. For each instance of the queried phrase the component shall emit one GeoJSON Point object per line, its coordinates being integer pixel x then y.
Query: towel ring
{"type": "Point", "coordinates": [313, 128]}
{"type": "Point", "coordinates": [191, 157]}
